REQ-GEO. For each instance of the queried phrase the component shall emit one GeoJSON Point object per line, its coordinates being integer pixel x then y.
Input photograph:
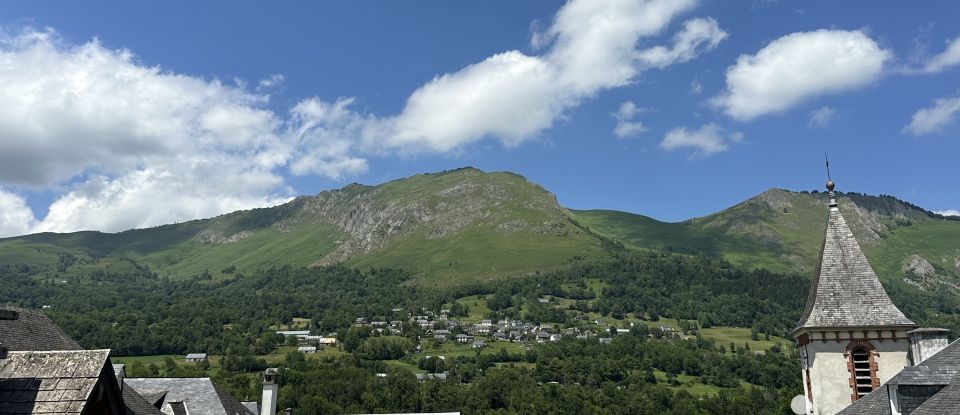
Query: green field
{"type": "Point", "coordinates": [478, 308]}
{"type": "Point", "coordinates": [723, 336]}
{"type": "Point", "coordinates": [691, 384]}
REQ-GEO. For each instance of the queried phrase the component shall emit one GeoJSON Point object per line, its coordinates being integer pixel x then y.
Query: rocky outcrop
{"type": "Point", "coordinates": [373, 217]}
{"type": "Point", "coordinates": [209, 236]}
{"type": "Point", "coordinates": [922, 274]}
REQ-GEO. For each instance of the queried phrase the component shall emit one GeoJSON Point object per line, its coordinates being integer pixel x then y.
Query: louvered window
{"type": "Point", "coordinates": [863, 371]}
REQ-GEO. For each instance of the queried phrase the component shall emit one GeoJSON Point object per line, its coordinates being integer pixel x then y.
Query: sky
{"type": "Point", "coordinates": [120, 115]}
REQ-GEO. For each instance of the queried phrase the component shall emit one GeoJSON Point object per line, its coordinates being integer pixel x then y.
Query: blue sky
{"type": "Point", "coordinates": [116, 115]}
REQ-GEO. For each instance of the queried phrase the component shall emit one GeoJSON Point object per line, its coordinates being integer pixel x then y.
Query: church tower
{"type": "Point", "coordinates": [851, 336]}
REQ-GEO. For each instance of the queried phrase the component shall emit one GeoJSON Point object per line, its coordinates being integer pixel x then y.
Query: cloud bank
{"type": "Point", "coordinates": [948, 212]}
{"type": "Point", "coordinates": [798, 67]}
{"type": "Point", "coordinates": [129, 145]}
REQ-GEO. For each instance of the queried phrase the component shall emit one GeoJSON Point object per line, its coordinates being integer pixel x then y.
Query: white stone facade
{"type": "Point", "coordinates": [824, 358]}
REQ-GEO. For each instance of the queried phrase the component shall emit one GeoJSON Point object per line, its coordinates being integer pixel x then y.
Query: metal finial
{"type": "Point", "coordinates": [830, 184]}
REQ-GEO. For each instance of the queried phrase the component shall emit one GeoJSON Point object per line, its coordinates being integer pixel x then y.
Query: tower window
{"type": "Point", "coordinates": [863, 369]}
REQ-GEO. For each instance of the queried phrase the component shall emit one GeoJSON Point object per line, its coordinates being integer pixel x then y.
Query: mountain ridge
{"type": "Point", "coordinates": [466, 225]}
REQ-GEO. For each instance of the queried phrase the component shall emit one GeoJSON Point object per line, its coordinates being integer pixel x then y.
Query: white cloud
{"type": "Point", "coordinates": [626, 125]}
{"type": "Point", "coordinates": [948, 212]}
{"type": "Point", "coordinates": [697, 36]}
{"type": "Point", "coordinates": [705, 141]}
{"type": "Point", "coordinates": [935, 117]}
{"type": "Point", "coordinates": [15, 217]}
{"type": "Point", "coordinates": [949, 57]}
{"type": "Point", "coordinates": [326, 132]}
{"type": "Point", "coordinates": [132, 145]}
{"type": "Point", "coordinates": [696, 87]}
{"type": "Point", "coordinates": [591, 46]}
{"type": "Point", "coordinates": [797, 67]}
{"type": "Point", "coordinates": [270, 81]}
{"type": "Point", "coordinates": [510, 95]}
{"type": "Point", "coordinates": [821, 117]}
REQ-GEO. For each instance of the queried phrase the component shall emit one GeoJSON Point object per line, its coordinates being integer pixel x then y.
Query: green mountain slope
{"type": "Point", "coordinates": [782, 231]}
{"type": "Point", "coordinates": [450, 227]}
{"type": "Point", "coordinates": [466, 225]}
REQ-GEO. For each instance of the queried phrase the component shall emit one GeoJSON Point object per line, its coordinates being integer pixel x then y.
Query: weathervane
{"type": "Point", "coordinates": [830, 183]}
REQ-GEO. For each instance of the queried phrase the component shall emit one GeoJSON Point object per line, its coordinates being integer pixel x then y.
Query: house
{"type": "Point", "coordinates": [307, 349]}
{"type": "Point", "coordinates": [328, 341]}
{"type": "Point", "coordinates": [482, 328]}
{"type": "Point", "coordinates": [543, 337]}
{"type": "Point", "coordinates": [464, 338]}
{"type": "Point", "coordinates": [422, 377]}
{"type": "Point", "coordinates": [196, 357]}
{"type": "Point", "coordinates": [440, 338]}
{"type": "Point", "coordinates": [69, 380]}
{"type": "Point", "coordinates": [24, 334]}
{"type": "Point", "coordinates": [605, 340]}
{"type": "Point", "coordinates": [300, 334]}
{"type": "Point", "coordinates": [478, 344]}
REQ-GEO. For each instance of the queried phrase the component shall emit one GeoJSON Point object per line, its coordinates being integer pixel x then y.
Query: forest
{"type": "Point", "coordinates": [638, 372]}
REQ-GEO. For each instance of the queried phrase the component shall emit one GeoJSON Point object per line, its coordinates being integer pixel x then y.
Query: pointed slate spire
{"type": "Point", "coordinates": [845, 291]}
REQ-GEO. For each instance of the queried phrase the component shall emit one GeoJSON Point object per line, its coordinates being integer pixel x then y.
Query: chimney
{"type": "Point", "coordinates": [926, 342]}
{"type": "Point", "coordinates": [268, 406]}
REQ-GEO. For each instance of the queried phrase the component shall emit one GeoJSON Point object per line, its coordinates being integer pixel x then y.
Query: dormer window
{"type": "Point", "coordinates": [862, 365]}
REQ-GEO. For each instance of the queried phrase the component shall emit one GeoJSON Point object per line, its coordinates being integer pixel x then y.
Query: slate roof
{"type": "Point", "coordinates": [31, 330]}
{"type": "Point", "coordinates": [198, 395]}
{"type": "Point", "coordinates": [845, 291]}
{"type": "Point", "coordinates": [945, 402]}
{"type": "Point", "coordinates": [875, 403]}
{"type": "Point", "coordinates": [232, 405]}
{"type": "Point", "coordinates": [49, 381]}
{"type": "Point", "coordinates": [138, 405]}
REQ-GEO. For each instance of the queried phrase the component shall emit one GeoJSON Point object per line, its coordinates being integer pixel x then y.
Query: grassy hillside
{"type": "Point", "coordinates": [466, 225]}
{"type": "Point", "coordinates": [451, 227]}
{"type": "Point", "coordinates": [782, 231]}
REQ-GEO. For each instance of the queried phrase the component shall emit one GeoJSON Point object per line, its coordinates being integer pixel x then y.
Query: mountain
{"type": "Point", "coordinates": [466, 225]}
{"type": "Point", "coordinates": [782, 231]}
{"type": "Point", "coordinates": [454, 226]}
